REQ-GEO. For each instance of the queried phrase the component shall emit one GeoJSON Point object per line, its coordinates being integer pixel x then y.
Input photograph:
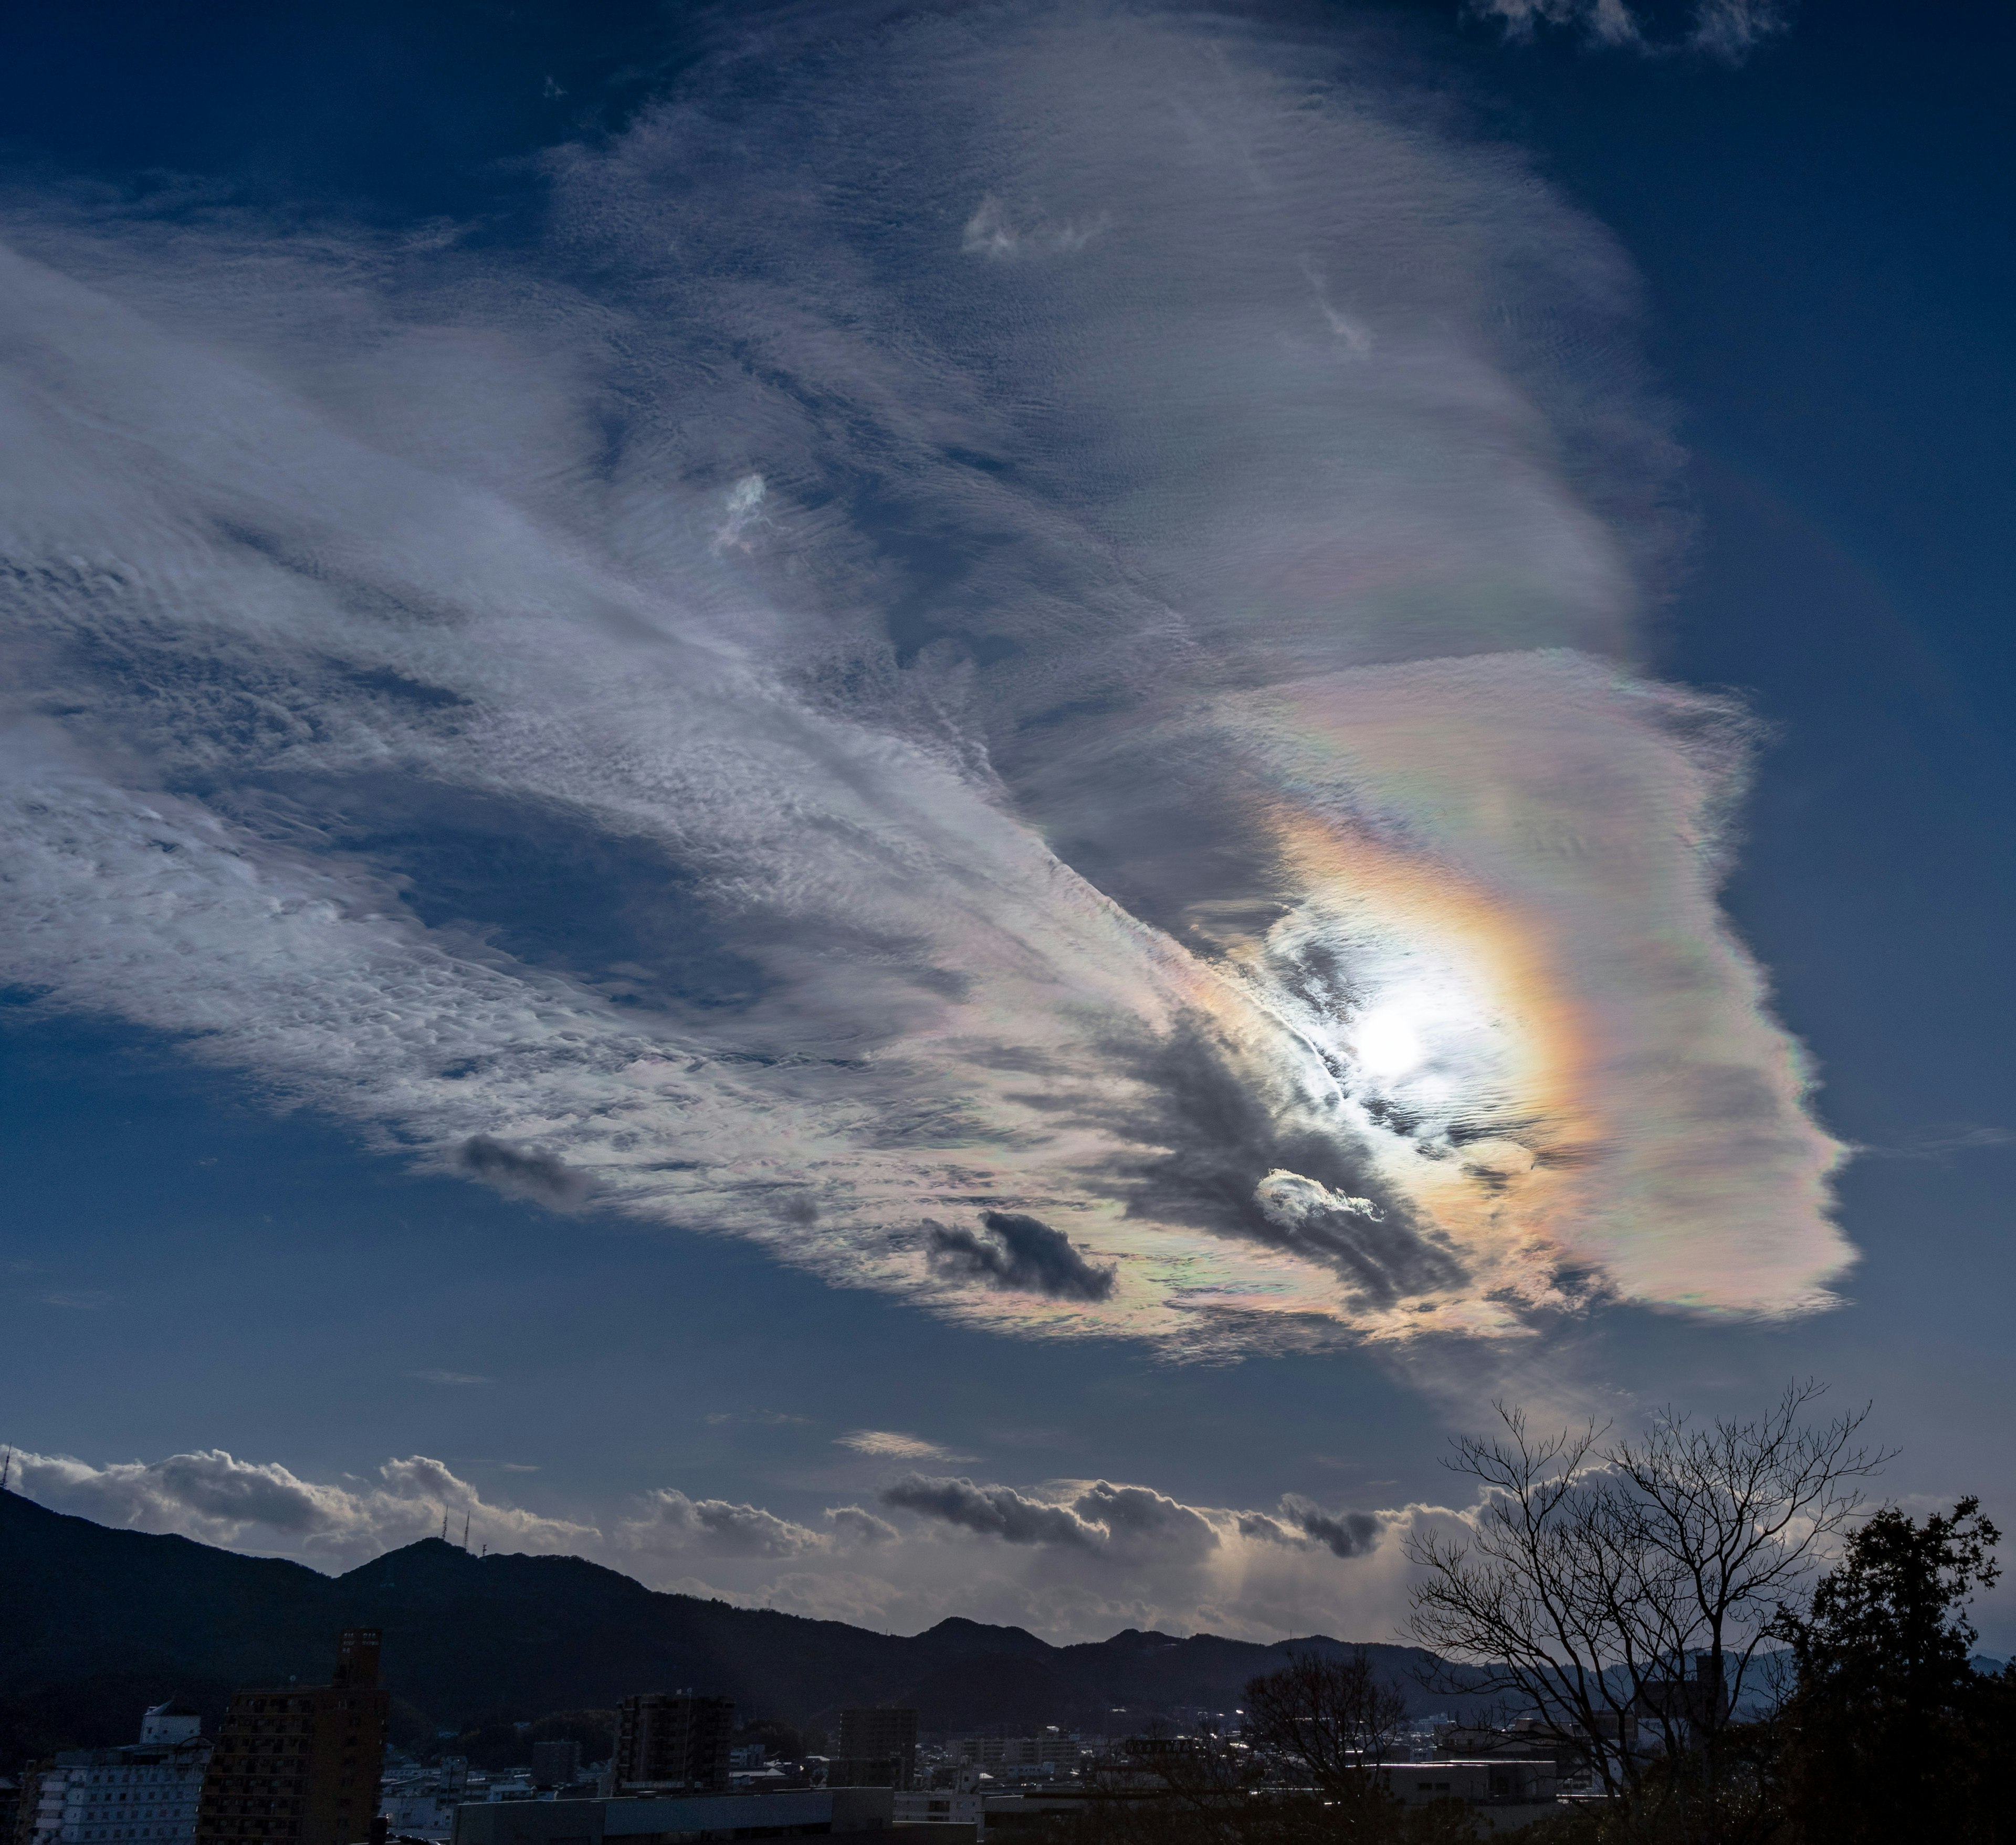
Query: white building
{"type": "Point", "coordinates": [418, 1812]}
{"type": "Point", "coordinates": [937, 1806]}
{"type": "Point", "coordinates": [1046, 1756]}
{"type": "Point", "coordinates": [144, 1792]}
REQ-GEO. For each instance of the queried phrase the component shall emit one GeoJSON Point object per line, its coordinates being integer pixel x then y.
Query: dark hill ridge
{"type": "Point", "coordinates": [466, 1636]}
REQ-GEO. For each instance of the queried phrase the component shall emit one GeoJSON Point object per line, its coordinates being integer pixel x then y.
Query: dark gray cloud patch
{"type": "Point", "coordinates": [1141, 1517]}
{"type": "Point", "coordinates": [1301, 1523]}
{"type": "Point", "coordinates": [537, 1176]}
{"type": "Point", "coordinates": [1268, 1530]}
{"type": "Point", "coordinates": [1342, 1534]}
{"type": "Point", "coordinates": [992, 1511]}
{"type": "Point", "coordinates": [1244, 1151]}
{"type": "Point", "coordinates": [1129, 1522]}
{"type": "Point", "coordinates": [1019, 1253]}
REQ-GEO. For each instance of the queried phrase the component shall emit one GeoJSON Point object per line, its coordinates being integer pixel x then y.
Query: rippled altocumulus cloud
{"type": "Point", "coordinates": [1022, 612]}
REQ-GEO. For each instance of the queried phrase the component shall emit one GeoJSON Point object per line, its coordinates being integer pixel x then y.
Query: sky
{"type": "Point", "coordinates": [923, 810]}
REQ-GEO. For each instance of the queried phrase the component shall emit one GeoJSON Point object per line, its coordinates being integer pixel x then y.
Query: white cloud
{"type": "Point", "coordinates": [1727, 30]}
{"type": "Point", "coordinates": [1608, 22]}
{"type": "Point", "coordinates": [852, 1526]}
{"type": "Point", "coordinates": [1940, 1144]}
{"type": "Point", "coordinates": [1001, 738]}
{"type": "Point", "coordinates": [742, 511]}
{"type": "Point", "coordinates": [1731, 30]}
{"type": "Point", "coordinates": [1069, 1560]}
{"type": "Point", "coordinates": [263, 1506]}
{"type": "Point", "coordinates": [673, 1524]}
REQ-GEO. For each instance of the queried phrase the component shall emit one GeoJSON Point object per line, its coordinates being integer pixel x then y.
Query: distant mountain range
{"type": "Point", "coordinates": [96, 1624]}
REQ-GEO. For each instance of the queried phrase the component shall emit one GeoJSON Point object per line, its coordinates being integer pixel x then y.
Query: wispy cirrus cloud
{"type": "Point", "coordinates": [1092, 773]}
{"type": "Point", "coordinates": [1728, 31]}
{"type": "Point", "coordinates": [890, 1444]}
{"type": "Point", "coordinates": [1940, 1144]}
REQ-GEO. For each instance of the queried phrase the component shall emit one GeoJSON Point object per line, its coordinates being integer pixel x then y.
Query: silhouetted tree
{"type": "Point", "coordinates": [1337, 1718]}
{"type": "Point", "coordinates": [1622, 1589]}
{"type": "Point", "coordinates": [1890, 1733]}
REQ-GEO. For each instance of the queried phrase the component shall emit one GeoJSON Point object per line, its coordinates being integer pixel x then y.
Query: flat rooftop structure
{"type": "Point", "coordinates": [1495, 1781]}
{"type": "Point", "coordinates": [839, 1812]}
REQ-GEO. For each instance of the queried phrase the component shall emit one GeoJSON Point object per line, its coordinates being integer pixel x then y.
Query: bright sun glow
{"type": "Point", "coordinates": [1387, 1045]}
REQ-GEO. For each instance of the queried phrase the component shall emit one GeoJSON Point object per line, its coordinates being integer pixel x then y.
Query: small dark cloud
{"type": "Point", "coordinates": [1302, 1523]}
{"type": "Point", "coordinates": [448, 1377]}
{"type": "Point", "coordinates": [88, 1300]}
{"type": "Point", "coordinates": [1022, 1253]}
{"type": "Point", "coordinates": [1342, 1534]}
{"type": "Point", "coordinates": [993, 1511]}
{"type": "Point", "coordinates": [537, 1176]}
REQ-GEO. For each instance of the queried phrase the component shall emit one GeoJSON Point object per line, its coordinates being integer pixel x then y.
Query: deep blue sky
{"type": "Point", "coordinates": [1824, 235]}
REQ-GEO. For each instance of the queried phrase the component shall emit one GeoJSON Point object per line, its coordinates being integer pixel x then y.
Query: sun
{"type": "Point", "coordinates": [1387, 1043]}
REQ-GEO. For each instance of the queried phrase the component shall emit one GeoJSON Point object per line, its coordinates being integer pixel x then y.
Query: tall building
{"type": "Point", "coordinates": [556, 1763]}
{"type": "Point", "coordinates": [299, 1764]}
{"type": "Point", "coordinates": [144, 1792]}
{"type": "Point", "coordinates": [995, 1753]}
{"type": "Point", "coordinates": [667, 1743]}
{"type": "Point", "coordinates": [878, 1748]}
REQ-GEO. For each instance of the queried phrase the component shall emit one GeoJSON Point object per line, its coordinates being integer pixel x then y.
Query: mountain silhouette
{"type": "Point", "coordinates": [100, 1620]}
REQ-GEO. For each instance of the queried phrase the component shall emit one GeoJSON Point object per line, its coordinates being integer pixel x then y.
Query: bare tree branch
{"type": "Point", "coordinates": [1620, 1588]}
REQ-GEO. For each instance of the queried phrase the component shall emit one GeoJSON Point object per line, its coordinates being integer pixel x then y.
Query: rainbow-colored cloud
{"type": "Point", "coordinates": [1007, 662]}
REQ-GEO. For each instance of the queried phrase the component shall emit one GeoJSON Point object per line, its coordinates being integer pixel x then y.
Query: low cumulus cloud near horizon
{"type": "Point", "coordinates": [1069, 1560]}
{"type": "Point", "coordinates": [1054, 724]}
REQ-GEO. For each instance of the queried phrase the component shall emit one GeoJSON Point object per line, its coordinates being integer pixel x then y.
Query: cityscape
{"type": "Point", "coordinates": [1315, 1739]}
{"type": "Point", "coordinates": [314, 1765]}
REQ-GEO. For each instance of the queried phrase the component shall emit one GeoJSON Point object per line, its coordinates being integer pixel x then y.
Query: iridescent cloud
{"type": "Point", "coordinates": [1004, 660]}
